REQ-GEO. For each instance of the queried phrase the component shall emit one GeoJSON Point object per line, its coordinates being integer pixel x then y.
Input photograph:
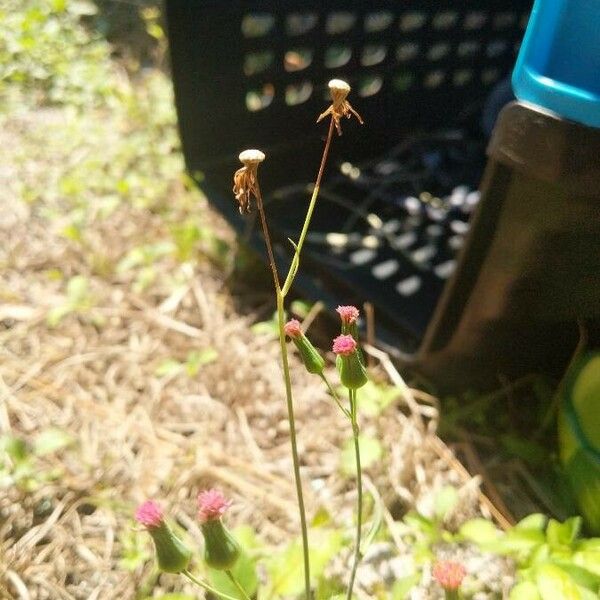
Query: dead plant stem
{"type": "Point", "coordinates": [267, 236]}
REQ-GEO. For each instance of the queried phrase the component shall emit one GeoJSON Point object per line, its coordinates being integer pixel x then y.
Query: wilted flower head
{"type": "Point", "coordinates": [149, 514]}
{"type": "Point", "coordinates": [245, 182]}
{"type": "Point", "coordinates": [449, 574]}
{"type": "Point", "coordinates": [340, 107]}
{"type": "Point", "coordinates": [212, 505]}
{"type": "Point", "coordinates": [348, 314]}
{"type": "Point", "coordinates": [344, 345]}
{"type": "Point", "coordinates": [292, 328]}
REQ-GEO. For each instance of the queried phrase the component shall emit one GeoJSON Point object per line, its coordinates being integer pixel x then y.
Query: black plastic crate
{"type": "Point", "coordinates": [398, 222]}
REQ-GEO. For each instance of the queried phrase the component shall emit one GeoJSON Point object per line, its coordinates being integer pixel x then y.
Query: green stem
{"type": "Point", "coordinates": [451, 594]}
{"type": "Point", "coordinates": [335, 396]}
{"type": "Point", "coordinates": [235, 582]}
{"type": "Point", "coordinates": [281, 294]}
{"type": "Point", "coordinates": [311, 207]}
{"type": "Point", "coordinates": [359, 502]}
{"type": "Point", "coordinates": [207, 587]}
{"type": "Point", "coordinates": [288, 392]}
{"type": "Point", "coordinates": [293, 443]}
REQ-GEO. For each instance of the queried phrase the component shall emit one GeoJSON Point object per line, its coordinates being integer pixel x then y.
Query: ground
{"type": "Point", "coordinates": [132, 365]}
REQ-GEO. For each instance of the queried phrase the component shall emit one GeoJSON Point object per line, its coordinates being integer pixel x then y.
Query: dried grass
{"type": "Point", "coordinates": [140, 435]}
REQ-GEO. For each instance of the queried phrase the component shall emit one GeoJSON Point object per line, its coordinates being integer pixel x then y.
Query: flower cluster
{"type": "Point", "coordinates": [221, 551]}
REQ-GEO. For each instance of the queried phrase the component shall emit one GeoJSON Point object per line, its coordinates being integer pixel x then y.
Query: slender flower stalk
{"type": "Point", "coordinates": [359, 488]}
{"type": "Point", "coordinates": [311, 207]}
{"type": "Point", "coordinates": [237, 585]}
{"type": "Point", "coordinates": [246, 186]}
{"type": "Point", "coordinates": [206, 586]}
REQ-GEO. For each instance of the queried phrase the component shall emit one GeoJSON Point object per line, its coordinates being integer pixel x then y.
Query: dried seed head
{"type": "Point", "coordinates": [340, 107]}
{"type": "Point", "coordinates": [245, 180]}
{"type": "Point", "coordinates": [339, 89]}
{"type": "Point", "coordinates": [251, 157]}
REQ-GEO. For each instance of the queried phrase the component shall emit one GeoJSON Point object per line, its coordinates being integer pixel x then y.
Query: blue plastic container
{"type": "Point", "coordinates": [559, 63]}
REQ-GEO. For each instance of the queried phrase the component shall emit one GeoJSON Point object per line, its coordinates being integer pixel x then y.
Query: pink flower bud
{"type": "Point", "coordinates": [149, 514]}
{"type": "Point", "coordinates": [293, 329]}
{"type": "Point", "coordinates": [211, 505]}
{"type": "Point", "coordinates": [449, 574]}
{"type": "Point", "coordinates": [348, 314]}
{"type": "Point", "coordinates": [344, 345]}
{"type": "Point", "coordinates": [172, 555]}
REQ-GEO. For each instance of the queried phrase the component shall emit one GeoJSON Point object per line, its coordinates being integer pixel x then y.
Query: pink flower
{"type": "Point", "coordinates": [449, 574]}
{"type": "Point", "coordinates": [149, 514]}
{"type": "Point", "coordinates": [345, 345]}
{"type": "Point", "coordinates": [348, 314]}
{"type": "Point", "coordinates": [293, 329]}
{"type": "Point", "coordinates": [211, 505]}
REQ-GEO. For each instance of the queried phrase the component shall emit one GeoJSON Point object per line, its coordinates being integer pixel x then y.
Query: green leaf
{"type": "Point", "coordinates": [51, 440]}
{"type": "Point", "coordinates": [197, 359]}
{"type": "Point", "coordinates": [15, 447]}
{"type": "Point", "coordinates": [536, 521]}
{"type": "Point", "coordinates": [134, 549]}
{"type": "Point", "coordinates": [78, 290]}
{"type": "Point", "coordinates": [170, 366]}
{"type": "Point", "coordinates": [57, 314]}
{"type": "Point", "coordinates": [244, 571]}
{"type": "Point", "coordinates": [479, 531]}
{"type": "Point", "coordinates": [554, 584]}
{"type": "Point", "coordinates": [185, 236]}
{"type": "Point", "coordinates": [445, 501]}
{"type": "Point", "coordinates": [580, 575]}
{"type": "Point", "coordinates": [300, 308]}
{"type": "Point", "coordinates": [584, 396]}
{"type": "Point", "coordinates": [270, 327]}
{"type": "Point", "coordinates": [588, 559]}
{"type": "Point", "coordinates": [533, 453]}
{"type": "Point", "coordinates": [374, 398]}
{"type": "Point", "coordinates": [403, 586]}
{"type": "Point", "coordinates": [370, 452]}
{"type": "Point", "coordinates": [321, 518]}
{"type": "Point", "coordinates": [174, 596]}
{"type": "Point", "coordinates": [418, 522]}
{"type": "Point", "coordinates": [286, 569]}
{"type": "Point", "coordinates": [526, 590]}
{"type": "Point", "coordinates": [519, 542]}
{"type": "Point", "coordinates": [563, 534]}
